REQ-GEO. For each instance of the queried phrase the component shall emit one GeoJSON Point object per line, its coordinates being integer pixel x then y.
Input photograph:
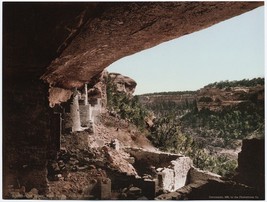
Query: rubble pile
{"type": "Point", "coordinates": [89, 168]}
{"type": "Point", "coordinates": [79, 174]}
{"type": "Point", "coordinates": [20, 193]}
{"type": "Point", "coordinates": [104, 167]}
{"type": "Point", "coordinates": [80, 170]}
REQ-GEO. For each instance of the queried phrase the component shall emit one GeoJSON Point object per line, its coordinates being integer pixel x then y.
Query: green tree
{"type": "Point", "coordinates": [127, 107]}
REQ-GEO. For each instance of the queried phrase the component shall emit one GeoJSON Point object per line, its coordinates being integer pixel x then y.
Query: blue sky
{"type": "Point", "coordinates": [230, 50]}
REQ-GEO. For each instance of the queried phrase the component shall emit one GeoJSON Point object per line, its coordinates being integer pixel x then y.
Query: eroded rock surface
{"type": "Point", "coordinates": [121, 29]}
{"type": "Point", "coordinates": [216, 99]}
{"type": "Point", "coordinates": [123, 83]}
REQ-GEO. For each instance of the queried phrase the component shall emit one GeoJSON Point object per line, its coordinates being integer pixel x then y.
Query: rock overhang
{"type": "Point", "coordinates": [122, 29]}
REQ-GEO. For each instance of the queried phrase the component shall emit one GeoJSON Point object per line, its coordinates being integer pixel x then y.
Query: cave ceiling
{"type": "Point", "coordinates": [77, 41]}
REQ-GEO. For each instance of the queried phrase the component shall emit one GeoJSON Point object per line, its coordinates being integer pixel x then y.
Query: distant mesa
{"type": "Point", "coordinates": [210, 97]}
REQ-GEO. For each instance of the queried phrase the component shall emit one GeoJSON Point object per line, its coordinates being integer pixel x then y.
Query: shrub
{"type": "Point", "coordinates": [126, 106]}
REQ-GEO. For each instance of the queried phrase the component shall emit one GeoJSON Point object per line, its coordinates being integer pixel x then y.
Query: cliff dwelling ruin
{"type": "Point", "coordinates": [53, 57]}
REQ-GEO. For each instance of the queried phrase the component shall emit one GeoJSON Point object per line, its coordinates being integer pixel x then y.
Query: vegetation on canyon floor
{"type": "Point", "coordinates": [200, 134]}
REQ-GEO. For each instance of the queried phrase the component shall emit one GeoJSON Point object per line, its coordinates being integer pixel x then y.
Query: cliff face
{"type": "Point", "coordinates": [97, 88]}
{"type": "Point", "coordinates": [216, 99]}
{"type": "Point", "coordinates": [212, 98]}
{"type": "Point", "coordinates": [179, 99]}
{"type": "Point", "coordinates": [123, 83]}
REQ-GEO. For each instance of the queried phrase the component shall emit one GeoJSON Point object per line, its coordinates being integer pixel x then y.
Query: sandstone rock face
{"type": "Point", "coordinates": [58, 95]}
{"type": "Point", "coordinates": [97, 90]}
{"type": "Point", "coordinates": [181, 99]}
{"type": "Point", "coordinates": [123, 83]}
{"type": "Point", "coordinates": [216, 99]}
{"type": "Point", "coordinates": [121, 29]}
{"type": "Point", "coordinates": [212, 98]}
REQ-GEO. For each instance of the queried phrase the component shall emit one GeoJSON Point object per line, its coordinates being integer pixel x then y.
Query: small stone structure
{"type": "Point", "coordinates": [85, 115]}
{"type": "Point", "coordinates": [82, 115]}
{"type": "Point", "coordinates": [196, 174]}
{"type": "Point", "coordinates": [75, 112]}
{"type": "Point", "coordinates": [170, 170]}
{"type": "Point", "coordinates": [175, 175]}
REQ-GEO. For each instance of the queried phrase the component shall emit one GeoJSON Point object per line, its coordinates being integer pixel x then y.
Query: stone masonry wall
{"type": "Point", "coordinates": [85, 115]}
{"type": "Point", "coordinates": [170, 169]}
